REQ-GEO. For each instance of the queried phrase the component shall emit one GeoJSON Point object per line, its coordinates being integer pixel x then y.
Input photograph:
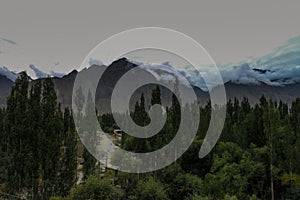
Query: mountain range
{"type": "Point", "coordinates": [64, 87]}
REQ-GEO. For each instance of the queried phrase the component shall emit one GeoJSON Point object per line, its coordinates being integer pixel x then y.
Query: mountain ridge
{"type": "Point", "coordinates": [113, 72]}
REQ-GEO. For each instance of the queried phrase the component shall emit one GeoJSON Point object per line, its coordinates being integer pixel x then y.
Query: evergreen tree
{"type": "Point", "coordinates": [175, 114]}
{"type": "Point", "coordinates": [157, 141]}
{"type": "Point", "coordinates": [141, 118]}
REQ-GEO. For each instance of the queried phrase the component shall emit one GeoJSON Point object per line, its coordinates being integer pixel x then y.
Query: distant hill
{"type": "Point", "coordinates": [253, 92]}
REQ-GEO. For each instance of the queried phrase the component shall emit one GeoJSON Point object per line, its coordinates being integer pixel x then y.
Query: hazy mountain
{"type": "Point", "coordinates": [113, 72]}
{"type": "Point", "coordinates": [253, 92]}
{"type": "Point", "coordinates": [4, 71]}
{"type": "Point", "coordinates": [117, 69]}
{"type": "Point", "coordinates": [5, 87]}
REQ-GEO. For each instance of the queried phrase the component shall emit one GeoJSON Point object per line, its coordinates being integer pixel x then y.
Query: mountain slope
{"type": "Point", "coordinates": [5, 88]}
{"type": "Point", "coordinates": [113, 72]}
{"type": "Point", "coordinates": [253, 92]}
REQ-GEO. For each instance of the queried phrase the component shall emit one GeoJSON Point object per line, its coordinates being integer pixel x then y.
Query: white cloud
{"type": "Point", "coordinates": [93, 61]}
{"type": "Point", "coordinates": [57, 74]}
{"type": "Point", "coordinates": [8, 41]}
{"type": "Point", "coordinates": [280, 67]}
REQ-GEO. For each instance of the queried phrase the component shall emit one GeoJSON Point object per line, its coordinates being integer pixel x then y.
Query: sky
{"type": "Point", "coordinates": [55, 36]}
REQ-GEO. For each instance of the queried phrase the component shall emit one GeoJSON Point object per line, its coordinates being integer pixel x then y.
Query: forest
{"type": "Point", "coordinates": [41, 156]}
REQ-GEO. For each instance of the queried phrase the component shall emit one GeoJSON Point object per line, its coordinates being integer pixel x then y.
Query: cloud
{"type": "Point", "coordinates": [282, 63]}
{"type": "Point", "coordinates": [5, 43]}
{"type": "Point", "coordinates": [163, 71]}
{"type": "Point", "coordinates": [9, 74]}
{"type": "Point", "coordinates": [8, 41]}
{"type": "Point", "coordinates": [278, 68]}
{"type": "Point", "coordinates": [93, 61]}
{"type": "Point", "coordinates": [244, 74]}
{"type": "Point", "coordinates": [194, 78]}
{"type": "Point", "coordinates": [57, 74]}
{"type": "Point", "coordinates": [38, 73]}
{"type": "Point", "coordinates": [247, 74]}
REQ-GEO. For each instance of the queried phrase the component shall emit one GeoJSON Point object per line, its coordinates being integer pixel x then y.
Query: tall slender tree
{"type": "Point", "coordinates": [34, 135]}
{"type": "Point", "coordinates": [89, 136]}
{"type": "Point", "coordinates": [16, 129]}
{"type": "Point", "coordinates": [68, 165]}
{"type": "Point", "coordinates": [50, 138]}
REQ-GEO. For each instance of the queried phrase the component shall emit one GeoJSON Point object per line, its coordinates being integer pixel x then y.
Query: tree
{"type": "Point", "coordinates": [271, 123]}
{"type": "Point", "coordinates": [34, 134]}
{"type": "Point", "coordinates": [16, 130]}
{"type": "Point", "coordinates": [34, 127]}
{"type": "Point", "coordinates": [68, 165]}
{"type": "Point", "coordinates": [175, 111]}
{"type": "Point", "coordinates": [52, 128]}
{"type": "Point", "coordinates": [157, 141]}
{"type": "Point", "coordinates": [149, 189]}
{"type": "Point", "coordinates": [235, 172]}
{"type": "Point", "coordinates": [89, 136]}
{"type": "Point", "coordinates": [3, 148]}
{"type": "Point", "coordinates": [185, 186]}
{"type": "Point", "coordinates": [96, 189]}
{"type": "Point", "coordinates": [141, 118]}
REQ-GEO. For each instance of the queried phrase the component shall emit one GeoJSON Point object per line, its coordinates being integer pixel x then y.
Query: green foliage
{"type": "Point", "coordinates": [35, 141]}
{"type": "Point", "coordinates": [186, 185]}
{"type": "Point", "coordinates": [96, 189]}
{"type": "Point", "coordinates": [68, 157]}
{"type": "Point", "coordinates": [257, 155]}
{"type": "Point", "coordinates": [59, 198]}
{"type": "Point", "coordinates": [258, 145]}
{"type": "Point", "coordinates": [149, 189]}
{"type": "Point", "coordinates": [89, 163]}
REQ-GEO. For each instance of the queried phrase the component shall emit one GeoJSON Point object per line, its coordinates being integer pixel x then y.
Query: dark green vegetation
{"type": "Point", "coordinates": [257, 156]}
{"type": "Point", "coordinates": [38, 143]}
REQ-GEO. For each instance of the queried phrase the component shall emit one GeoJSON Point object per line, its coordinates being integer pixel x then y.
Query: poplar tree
{"type": "Point", "coordinates": [68, 165]}
{"type": "Point", "coordinates": [89, 136]}
{"type": "Point", "coordinates": [3, 148]}
{"type": "Point", "coordinates": [34, 134]}
{"type": "Point", "coordinates": [16, 130]}
{"type": "Point", "coordinates": [50, 139]}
